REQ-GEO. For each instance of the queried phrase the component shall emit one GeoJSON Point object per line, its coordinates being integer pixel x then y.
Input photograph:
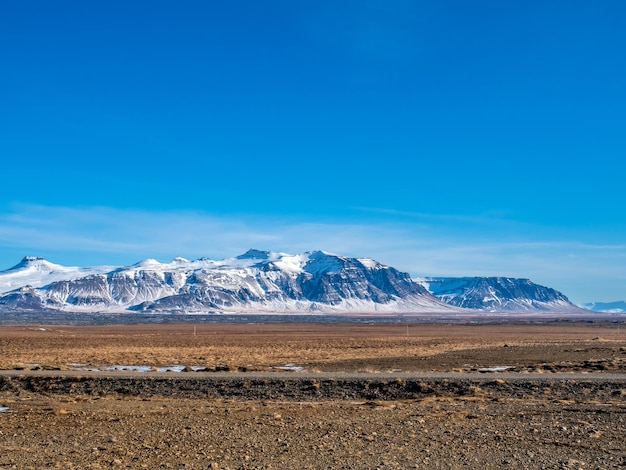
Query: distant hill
{"type": "Point", "coordinates": [608, 307]}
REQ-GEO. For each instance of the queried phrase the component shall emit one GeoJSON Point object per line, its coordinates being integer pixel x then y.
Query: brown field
{"type": "Point", "coordinates": [555, 424]}
{"type": "Point", "coordinates": [316, 347]}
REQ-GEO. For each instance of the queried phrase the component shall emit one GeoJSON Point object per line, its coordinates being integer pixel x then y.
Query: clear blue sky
{"type": "Point", "coordinates": [441, 137]}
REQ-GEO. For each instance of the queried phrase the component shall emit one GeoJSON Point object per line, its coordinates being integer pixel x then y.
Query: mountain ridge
{"type": "Point", "coordinates": [493, 294]}
{"type": "Point", "coordinates": [256, 281]}
{"type": "Point", "coordinates": [264, 282]}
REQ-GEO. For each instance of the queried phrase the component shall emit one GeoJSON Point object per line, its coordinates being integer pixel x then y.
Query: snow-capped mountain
{"type": "Point", "coordinates": [608, 307]}
{"type": "Point", "coordinates": [256, 281]}
{"type": "Point", "coordinates": [37, 272]}
{"type": "Point", "coordinates": [494, 294]}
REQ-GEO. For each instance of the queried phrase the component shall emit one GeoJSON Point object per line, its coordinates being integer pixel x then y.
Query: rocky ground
{"type": "Point", "coordinates": [144, 421]}
{"type": "Point", "coordinates": [437, 432]}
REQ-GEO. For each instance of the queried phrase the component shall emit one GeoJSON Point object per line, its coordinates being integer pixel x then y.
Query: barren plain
{"type": "Point", "coordinates": [298, 395]}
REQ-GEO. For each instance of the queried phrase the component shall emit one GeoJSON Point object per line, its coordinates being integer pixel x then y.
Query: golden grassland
{"type": "Point", "coordinates": [316, 346]}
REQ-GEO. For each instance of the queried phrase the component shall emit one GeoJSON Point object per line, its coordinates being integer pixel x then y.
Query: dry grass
{"type": "Point", "coordinates": [264, 346]}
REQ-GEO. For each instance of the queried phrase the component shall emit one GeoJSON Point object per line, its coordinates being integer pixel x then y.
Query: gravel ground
{"type": "Point", "coordinates": [491, 423]}
{"type": "Point", "coordinates": [439, 432]}
{"type": "Point", "coordinates": [564, 408]}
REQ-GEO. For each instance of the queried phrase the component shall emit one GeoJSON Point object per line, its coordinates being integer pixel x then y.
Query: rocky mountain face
{"type": "Point", "coordinates": [257, 281]}
{"type": "Point", "coordinates": [495, 294]}
{"type": "Point", "coordinates": [265, 282]}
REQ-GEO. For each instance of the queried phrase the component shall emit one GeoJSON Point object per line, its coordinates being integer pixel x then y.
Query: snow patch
{"type": "Point", "coordinates": [368, 263]}
{"type": "Point", "coordinates": [147, 263]}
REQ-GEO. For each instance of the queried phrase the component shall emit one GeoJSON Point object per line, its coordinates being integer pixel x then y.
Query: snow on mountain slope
{"type": "Point", "coordinates": [256, 281]}
{"type": "Point", "coordinates": [315, 281]}
{"type": "Point", "coordinates": [268, 282]}
{"type": "Point", "coordinates": [37, 272]}
{"type": "Point", "coordinates": [608, 307]}
{"type": "Point", "coordinates": [495, 294]}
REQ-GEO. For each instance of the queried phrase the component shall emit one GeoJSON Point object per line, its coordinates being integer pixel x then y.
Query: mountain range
{"type": "Point", "coordinates": [264, 282]}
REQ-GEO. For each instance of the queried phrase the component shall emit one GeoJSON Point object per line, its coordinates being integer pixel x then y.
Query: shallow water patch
{"type": "Point", "coordinates": [129, 368]}
{"type": "Point", "coordinates": [495, 369]}
{"type": "Point", "coordinates": [289, 366]}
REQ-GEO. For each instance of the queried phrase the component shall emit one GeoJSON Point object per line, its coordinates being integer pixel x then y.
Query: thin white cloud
{"type": "Point", "coordinates": [100, 235]}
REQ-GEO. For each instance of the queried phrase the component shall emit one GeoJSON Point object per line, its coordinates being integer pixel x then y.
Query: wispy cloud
{"type": "Point", "coordinates": [101, 235]}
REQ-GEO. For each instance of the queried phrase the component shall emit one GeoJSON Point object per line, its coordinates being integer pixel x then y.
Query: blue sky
{"type": "Point", "coordinates": [440, 137]}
